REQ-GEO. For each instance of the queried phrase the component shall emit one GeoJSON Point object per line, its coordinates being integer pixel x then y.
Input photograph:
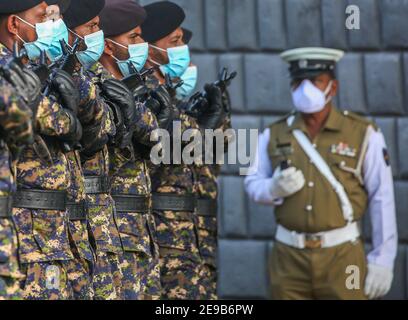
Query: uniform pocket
{"type": "Point", "coordinates": [133, 232]}
{"type": "Point", "coordinates": [50, 232]}
{"type": "Point", "coordinates": [176, 230]}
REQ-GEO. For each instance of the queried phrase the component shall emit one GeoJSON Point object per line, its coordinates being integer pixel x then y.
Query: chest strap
{"type": "Point", "coordinates": [131, 203]}
{"type": "Point", "coordinates": [206, 207]}
{"type": "Point", "coordinates": [173, 202]}
{"type": "Point", "coordinates": [6, 206]}
{"type": "Point", "coordinates": [97, 184]}
{"type": "Point", "coordinates": [40, 199]}
{"type": "Point", "coordinates": [77, 211]}
{"type": "Point", "coordinates": [324, 169]}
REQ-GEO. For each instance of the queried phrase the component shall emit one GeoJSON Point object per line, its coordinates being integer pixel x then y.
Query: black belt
{"type": "Point", "coordinates": [173, 202]}
{"type": "Point", "coordinates": [77, 211]}
{"type": "Point", "coordinates": [6, 206]}
{"type": "Point", "coordinates": [206, 207]}
{"type": "Point", "coordinates": [97, 184]}
{"type": "Point", "coordinates": [131, 203]}
{"type": "Point", "coordinates": [40, 199]}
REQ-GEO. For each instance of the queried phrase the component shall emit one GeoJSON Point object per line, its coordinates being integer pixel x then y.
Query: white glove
{"type": "Point", "coordinates": [378, 281]}
{"type": "Point", "coordinates": [287, 182]}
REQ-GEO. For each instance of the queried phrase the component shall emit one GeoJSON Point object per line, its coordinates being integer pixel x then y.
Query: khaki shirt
{"type": "Point", "coordinates": [316, 206]}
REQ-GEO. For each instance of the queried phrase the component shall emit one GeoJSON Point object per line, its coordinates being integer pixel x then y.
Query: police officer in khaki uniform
{"type": "Point", "coordinates": [322, 169]}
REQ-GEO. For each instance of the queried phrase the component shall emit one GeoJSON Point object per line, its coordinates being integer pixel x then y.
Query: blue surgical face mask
{"type": "Point", "coordinates": [44, 32]}
{"type": "Point", "coordinates": [179, 60]}
{"type": "Point", "coordinates": [138, 54]}
{"type": "Point", "coordinates": [60, 33]}
{"type": "Point", "coordinates": [189, 83]}
{"type": "Point", "coordinates": [95, 44]}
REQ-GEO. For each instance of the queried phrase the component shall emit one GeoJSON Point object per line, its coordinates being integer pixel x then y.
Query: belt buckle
{"type": "Point", "coordinates": [313, 241]}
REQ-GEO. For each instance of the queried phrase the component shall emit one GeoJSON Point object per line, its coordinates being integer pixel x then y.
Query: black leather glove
{"type": "Point", "coordinates": [117, 93]}
{"type": "Point", "coordinates": [75, 130]}
{"type": "Point", "coordinates": [26, 83]}
{"type": "Point", "coordinates": [64, 87]}
{"type": "Point", "coordinates": [212, 116]}
{"type": "Point", "coordinates": [92, 141]}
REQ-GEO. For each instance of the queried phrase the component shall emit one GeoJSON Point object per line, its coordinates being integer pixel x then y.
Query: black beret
{"type": "Point", "coordinates": [187, 35]}
{"type": "Point", "coordinates": [120, 16]}
{"type": "Point", "coordinates": [82, 11]}
{"type": "Point", "coordinates": [10, 6]}
{"type": "Point", "coordinates": [163, 18]}
{"type": "Point", "coordinates": [62, 4]}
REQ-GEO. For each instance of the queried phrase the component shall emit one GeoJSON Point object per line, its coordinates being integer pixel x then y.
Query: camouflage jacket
{"type": "Point", "coordinates": [8, 239]}
{"type": "Point", "coordinates": [43, 234]}
{"type": "Point", "coordinates": [129, 174]}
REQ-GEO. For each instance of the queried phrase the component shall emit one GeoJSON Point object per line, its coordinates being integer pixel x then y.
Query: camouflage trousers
{"type": "Point", "coordinates": [108, 276]}
{"type": "Point", "coordinates": [140, 263]}
{"type": "Point", "coordinates": [9, 289]}
{"type": "Point", "coordinates": [80, 272]}
{"type": "Point", "coordinates": [207, 240]}
{"type": "Point", "coordinates": [47, 280]}
{"type": "Point", "coordinates": [149, 271]}
{"type": "Point", "coordinates": [181, 266]}
{"type": "Point", "coordinates": [10, 275]}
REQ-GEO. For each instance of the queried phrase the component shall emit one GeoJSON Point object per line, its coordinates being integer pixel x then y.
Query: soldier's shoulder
{"type": "Point", "coordinates": [281, 121]}
{"type": "Point", "coordinates": [358, 119]}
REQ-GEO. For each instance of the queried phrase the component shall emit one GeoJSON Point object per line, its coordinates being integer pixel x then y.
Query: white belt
{"type": "Point", "coordinates": [324, 239]}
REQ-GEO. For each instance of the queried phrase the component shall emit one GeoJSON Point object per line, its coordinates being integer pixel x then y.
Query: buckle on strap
{"type": "Point", "coordinates": [313, 241]}
{"type": "Point", "coordinates": [97, 184]}
{"type": "Point", "coordinates": [6, 206]}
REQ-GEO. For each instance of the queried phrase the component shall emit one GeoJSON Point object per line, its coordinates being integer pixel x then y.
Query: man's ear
{"type": "Point", "coordinates": [13, 24]}
{"type": "Point", "coordinates": [108, 48]}
{"type": "Point", "coordinates": [334, 89]}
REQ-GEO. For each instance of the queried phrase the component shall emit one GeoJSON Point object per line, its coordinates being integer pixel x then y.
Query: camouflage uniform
{"type": "Point", "coordinates": [207, 225]}
{"type": "Point", "coordinates": [81, 272]}
{"type": "Point", "coordinates": [10, 274]}
{"type": "Point", "coordinates": [44, 248]}
{"type": "Point", "coordinates": [108, 277]}
{"type": "Point", "coordinates": [180, 261]}
{"type": "Point", "coordinates": [130, 176]}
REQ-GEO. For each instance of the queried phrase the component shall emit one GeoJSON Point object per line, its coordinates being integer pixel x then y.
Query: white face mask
{"type": "Point", "coordinates": [307, 98]}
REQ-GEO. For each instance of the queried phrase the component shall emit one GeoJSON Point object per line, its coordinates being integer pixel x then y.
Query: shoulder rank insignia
{"type": "Point", "coordinates": [343, 149]}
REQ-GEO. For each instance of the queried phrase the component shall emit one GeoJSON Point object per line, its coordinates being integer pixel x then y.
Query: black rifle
{"type": "Point", "coordinates": [67, 62]}
{"type": "Point", "coordinates": [136, 81]}
{"type": "Point", "coordinates": [198, 101]}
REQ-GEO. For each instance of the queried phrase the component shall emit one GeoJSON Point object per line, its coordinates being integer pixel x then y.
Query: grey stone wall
{"type": "Point", "coordinates": [247, 36]}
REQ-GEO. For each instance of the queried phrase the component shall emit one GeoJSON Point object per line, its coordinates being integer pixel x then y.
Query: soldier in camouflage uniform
{"type": "Point", "coordinates": [80, 271]}
{"type": "Point", "coordinates": [174, 185]}
{"type": "Point", "coordinates": [42, 170]}
{"type": "Point", "coordinates": [206, 180]}
{"type": "Point", "coordinates": [131, 186]}
{"type": "Point", "coordinates": [16, 130]}
{"type": "Point", "coordinates": [82, 20]}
